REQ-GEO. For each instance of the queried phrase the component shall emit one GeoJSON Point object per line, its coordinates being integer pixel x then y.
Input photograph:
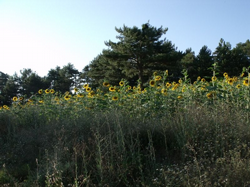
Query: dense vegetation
{"type": "Point", "coordinates": [135, 56]}
{"type": "Point", "coordinates": [168, 134]}
{"type": "Point", "coordinates": [154, 117]}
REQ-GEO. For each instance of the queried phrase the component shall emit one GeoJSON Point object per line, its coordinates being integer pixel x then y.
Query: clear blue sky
{"type": "Point", "coordinates": [43, 34]}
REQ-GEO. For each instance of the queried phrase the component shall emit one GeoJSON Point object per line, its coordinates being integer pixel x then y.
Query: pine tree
{"type": "Point", "coordinates": [139, 51]}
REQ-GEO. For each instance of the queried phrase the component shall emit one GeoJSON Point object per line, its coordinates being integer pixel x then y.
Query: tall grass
{"type": "Point", "coordinates": [140, 138]}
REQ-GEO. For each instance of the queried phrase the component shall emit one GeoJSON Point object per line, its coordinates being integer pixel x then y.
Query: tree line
{"type": "Point", "coordinates": [135, 56]}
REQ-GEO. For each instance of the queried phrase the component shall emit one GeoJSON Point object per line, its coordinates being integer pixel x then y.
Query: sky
{"type": "Point", "coordinates": [43, 34]}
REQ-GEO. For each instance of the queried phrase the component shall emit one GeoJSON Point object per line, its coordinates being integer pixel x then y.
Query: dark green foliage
{"type": "Point", "coordinates": [231, 60]}
{"type": "Point", "coordinates": [63, 79]}
{"type": "Point", "coordinates": [140, 51]}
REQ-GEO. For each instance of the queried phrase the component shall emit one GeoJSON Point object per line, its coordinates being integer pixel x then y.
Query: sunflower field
{"type": "Point", "coordinates": [163, 134]}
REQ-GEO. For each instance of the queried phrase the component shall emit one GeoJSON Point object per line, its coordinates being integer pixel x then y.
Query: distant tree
{"type": "Point", "coordinates": [230, 61]}
{"type": "Point", "coordinates": [102, 69]}
{"type": "Point", "coordinates": [63, 79]}
{"type": "Point", "coordinates": [245, 47]}
{"type": "Point", "coordinates": [3, 80]}
{"type": "Point", "coordinates": [11, 89]}
{"type": "Point", "coordinates": [188, 63]}
{"type": "Point", "coordinates": [203, 62]}
{"type": "Point", "coordinates": [139, 50]}
{"type": "Point", "coordinates": [30, 82]}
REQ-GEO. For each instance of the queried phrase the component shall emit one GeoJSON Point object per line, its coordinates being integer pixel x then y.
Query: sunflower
{"type": "Point", "coordinates": [246, 82]}
{"type": "Point", "coordinates": [168, 84]}
{"type": "Point", "coordinates": [56, 99]}
{"type": "Point", "coordinates": [80, 95]}
{"type": "Point", "coordinates": [52, 91]}
{"type": "Point", "coordinates": [238, 86]}
{"type": "Point", "coordinates": [106, 84]}
{"type": "Point", "coordinates": [242, 75]}
{"type": "Point", "coordinates": [112, 89]}
{"type": "Point", "coordinates": [114, 98]}
{"type": "Point", "coordinates": [179, 97]}
{"type": "Point", "coordinates": [20, 98]}
{"type": "Point", "coordinates": [88, 89]}
{"type": "Point", "coordinates": [121, 83]}
{"type": "Point", "coordinates": [214, 78]}
{"type": "Point", "coordinates": [158, 78]}
{"type": "Point", "coordinates": [92, 93]}
{"type": "Point", "coordinates": [15, 99]}
{"type": "Point", "coordinates": [152, 83]}
{"type": "Point", "coordinates": [41, 101]}
{"type": "Point", "coordinates": [225, 75]}
{"type": "Point", "coordinates": [230, 81]}
{"type": "Point", "coordinates": [203, 88]}
{"type": "Point", "coordinates": [166, 72]}
{"type": "Point", "coordinates": [235, 79]}
{"type": "Point", "coordinates": [175, 87]}
{"type": "Point", "coordinates": [210, 95]}
{"type": "Point", "coordinates": [76, 89]}
{"type": "Point", "coordinates": [85, 85]}
{"type": "Point", "coordinates": [164, 91]}
{"type": "Point", "coordinates": [40, 91]}
{"type": "Point", "coordinates": [203, 80]}
{"type": "Point", "coordinates": [198, 78]}
{"type": "Point", "coordinates": [6, 107]}
{"type": "Point", "coordinates": [47, 91]}
{"type": "Point", "coordinates": [67, 97]}
{"type": "Point", "coordinates": [180, 81]}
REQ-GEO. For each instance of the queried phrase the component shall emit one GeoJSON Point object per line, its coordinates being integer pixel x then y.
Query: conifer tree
{"type": "Point", "coordinates": [139, 50]}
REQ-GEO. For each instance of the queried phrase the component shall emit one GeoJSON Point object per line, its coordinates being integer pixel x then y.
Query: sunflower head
{"type": "Point", "coordinates": [246, 82]}
{"type": "Point", "coordinates": [152, 83]}
{"type": "Point", "coordinates": [67, 97]}
{"type": "Point", "coordinates": [15, 99]}
{"type": "Point", "coordinates": [210, 95]}
{"type": "Point", "coordinates": [214, 78]}
{"type": "Point", "coordinates": [52, 91]}
{"type": "Point", "coordinates": [121, 83]}
{"type": "Point", "coordinates": [225, 75]}
{"type": "Point", "coordinates": [112, 89]}
{"type": "Point", "coordinates": [158, 78]}
{"type": "Point", "coordinates": [168, 84]}
{"type": "Point", "coordinates": [76, 89]}
{"type": "Point", "coordinates": [88, 89]}
{"type": "Point", "coordinates": [164, 91]}
{"type": "Point", "coordinates": [114, 98]}
{"type": "Point", "coordinates": [106, 84]}
{"type": "Point", "coordinates": [80, 95]}
{"type": "Point", "coordinates": [230, 81]}
{"type": "Point", "coordinates": [40, 91]}
{"type": "Point", "coordinates": [179, 97]}
{"type": "Point", "coordinates": [85, 85]}
{"type": "Point", "coordinates": [47, 91]}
